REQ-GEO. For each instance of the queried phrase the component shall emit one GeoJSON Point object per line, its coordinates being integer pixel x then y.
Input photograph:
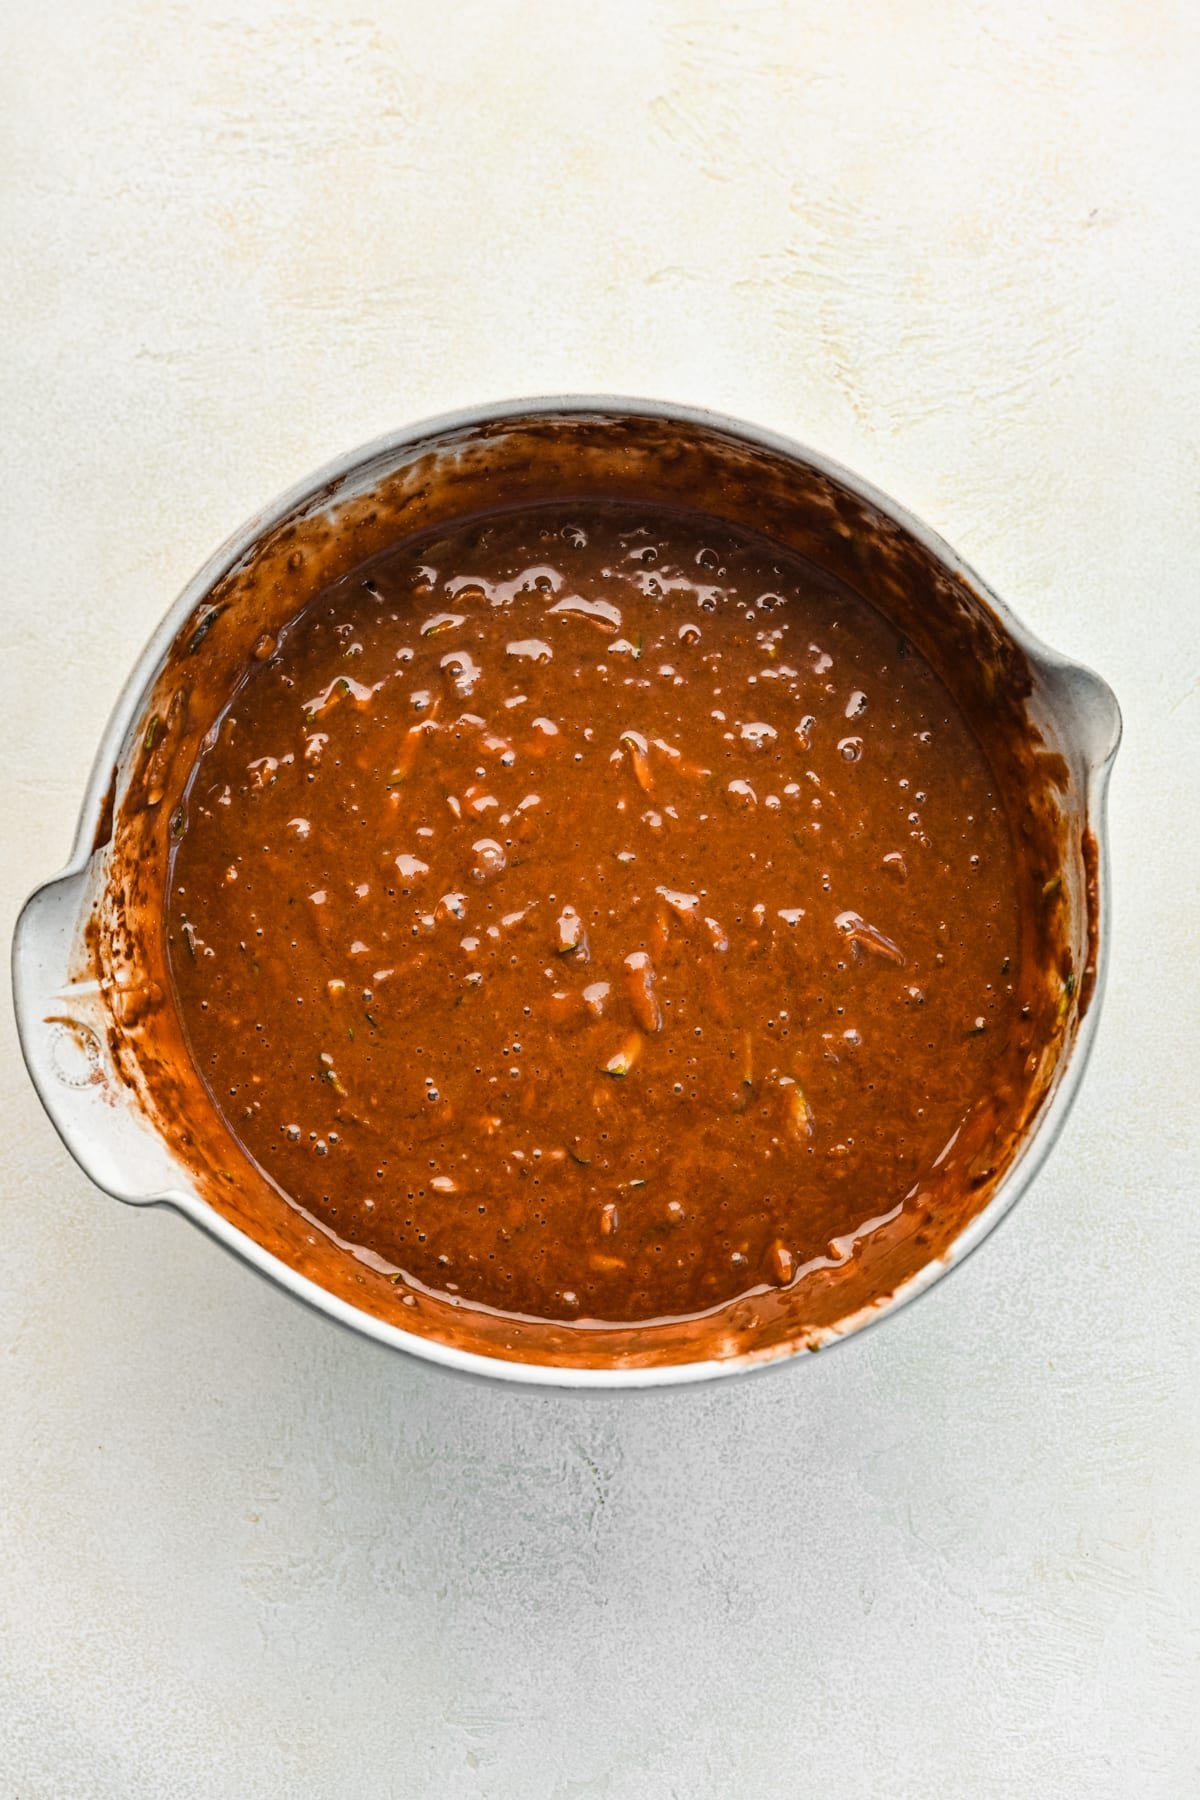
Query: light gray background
{"type": "Point", "coordinates": [956, 246]}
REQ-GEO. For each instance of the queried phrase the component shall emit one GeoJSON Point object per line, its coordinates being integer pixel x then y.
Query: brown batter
{"type": "Point", "coordinates": [594, 914]}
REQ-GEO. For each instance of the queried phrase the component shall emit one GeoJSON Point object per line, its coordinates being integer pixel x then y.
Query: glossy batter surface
{"type": "Point", "coordinates": [593, 914]}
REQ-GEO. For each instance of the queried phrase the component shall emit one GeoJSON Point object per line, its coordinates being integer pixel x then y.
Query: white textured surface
{"type": "Point", "coordinates": [244, 1555]}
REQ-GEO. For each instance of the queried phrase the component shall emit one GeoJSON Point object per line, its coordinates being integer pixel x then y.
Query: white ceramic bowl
{"type": "Point", "coordinates": [74, 1043]}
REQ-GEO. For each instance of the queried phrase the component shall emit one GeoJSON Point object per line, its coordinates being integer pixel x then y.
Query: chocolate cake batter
{"type": "Point", "coordinates": [594, 913]}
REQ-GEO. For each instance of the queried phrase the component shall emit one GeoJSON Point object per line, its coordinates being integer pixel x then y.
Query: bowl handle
{"type": "Point", "coordinates": [62, 1025]}
{"type": "Point", "coordinates": [1090, 712]}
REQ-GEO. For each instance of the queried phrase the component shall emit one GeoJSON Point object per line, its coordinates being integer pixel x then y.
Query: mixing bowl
{"type": "Point", "coordinates": [101, 1036]}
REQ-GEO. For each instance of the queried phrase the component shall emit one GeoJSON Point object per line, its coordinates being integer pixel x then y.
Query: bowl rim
{"type": "Point", "coordinates": [326, 483]}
